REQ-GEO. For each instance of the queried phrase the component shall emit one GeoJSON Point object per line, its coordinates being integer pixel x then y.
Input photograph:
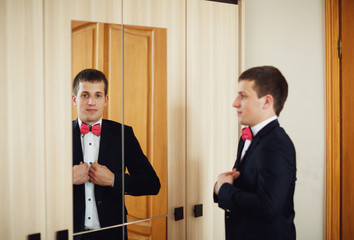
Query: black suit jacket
{"type": "Point", "coordinates": [259, 205]}
{"type": "Point", "coordinates": [141, 180]}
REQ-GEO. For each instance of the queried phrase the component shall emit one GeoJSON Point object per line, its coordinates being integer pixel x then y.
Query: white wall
{"type": "Point", "coordinates": [290, 34]}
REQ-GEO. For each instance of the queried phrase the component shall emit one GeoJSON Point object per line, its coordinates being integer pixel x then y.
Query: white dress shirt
{"type": "Point", "coordinates": [255, 129]}
{"type": "Point", "coordinates": [90, 144]}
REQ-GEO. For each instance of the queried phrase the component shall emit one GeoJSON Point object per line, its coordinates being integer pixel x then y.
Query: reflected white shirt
{"type": "Point", "coordinates": [90, 144]}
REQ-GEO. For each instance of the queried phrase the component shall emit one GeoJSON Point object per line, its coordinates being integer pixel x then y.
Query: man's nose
{"type": "Point", "coordinates": [236, 103]}
{"type": "Point", "coordinates": [91, 101]}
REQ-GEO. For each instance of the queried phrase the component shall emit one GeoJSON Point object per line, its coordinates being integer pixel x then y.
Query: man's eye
{"type": "Point", "coordinates": [84, 95]}
{"type": "Point", "coordinates": [98, 95]}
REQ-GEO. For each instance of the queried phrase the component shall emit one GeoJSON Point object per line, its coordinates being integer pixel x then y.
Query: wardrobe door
{"type": "Point", "coordinates": [212, 126]}
{"type": "Point", "coordinates": [58, 17]}
{"type": "Point", "coordinates": [22, 141]}
{"type": "Point", "coordinates": [145, 109]}
{"type": "Point", "coordinates": [154, 97]}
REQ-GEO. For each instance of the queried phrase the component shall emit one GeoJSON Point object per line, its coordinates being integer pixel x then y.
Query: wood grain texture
{"type": "Point", "coordinates": [22, 154]}
{"type": "Point", "coordinates": [58, 15]}
{"type": "Point", "coordinates": [333, 121]}
{"type": "Point", "coordinates": [347, 119]}
{"type": "Point", "coordinates": [212, 126]}
{"type": "Point", "coordinates": [169, 15]}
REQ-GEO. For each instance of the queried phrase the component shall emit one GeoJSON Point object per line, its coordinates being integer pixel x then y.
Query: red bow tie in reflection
{"type": "Point", "coordinates": [95, 129]}
{"type": "Point", "coordinates": [246, 134]}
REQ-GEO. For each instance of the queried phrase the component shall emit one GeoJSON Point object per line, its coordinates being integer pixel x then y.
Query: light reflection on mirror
{"type": "Point", "coordinates": [99, 46]}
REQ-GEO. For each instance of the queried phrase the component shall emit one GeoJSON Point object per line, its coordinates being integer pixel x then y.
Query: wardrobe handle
{"type": "Point", "coordinates": [198, 210]}
{"type": "Point", "coordinates": [35, 236]}
{"type": "Point", "coordinates": [179, 213]}
{"type": "Point", "coordinates": [63, 235]}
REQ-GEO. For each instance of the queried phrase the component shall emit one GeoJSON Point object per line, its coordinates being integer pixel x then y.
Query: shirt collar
{"type": "Point", "coordinates": [255, 129]}
{"type": "Point", "coordinates": [98, 122]}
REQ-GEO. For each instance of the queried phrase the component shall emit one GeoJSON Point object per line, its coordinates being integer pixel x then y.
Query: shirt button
{"type": "Point", "coordinates": [89, 199]}
{"type": "Point", "coordinates": [90, 144]}
{"type": "Point", "coordinates": [89, 217]}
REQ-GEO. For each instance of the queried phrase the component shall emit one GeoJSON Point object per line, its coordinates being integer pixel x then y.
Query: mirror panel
{"type": "Point", "coordinates": [98, 45]}
{"type": "Point", "coordinates": [149, 229]}
{"type": "Point", "coordinates": [114, 233]}
{"type": "Point", "coordinates": [87, 48]}
{"type": "Point", "coordinates": [145, 109]}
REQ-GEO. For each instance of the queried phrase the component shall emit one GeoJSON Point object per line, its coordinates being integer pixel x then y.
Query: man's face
{"type": "Point", "coordinates": [90, 101]}
{"type": "Point", "coordinates": [250, 108]}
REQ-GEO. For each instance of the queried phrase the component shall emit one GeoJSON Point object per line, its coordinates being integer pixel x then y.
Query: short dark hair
{"type": "Point", "coordinates": [268, 80]}
{"type": "Point", "coordinates": [90, 75]}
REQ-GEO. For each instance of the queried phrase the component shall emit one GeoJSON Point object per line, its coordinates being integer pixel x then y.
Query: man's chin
{"type": "Point", "coordinates": [243, 122]}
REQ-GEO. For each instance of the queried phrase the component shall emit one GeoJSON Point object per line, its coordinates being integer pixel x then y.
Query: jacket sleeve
{"type": "Point", "coordinates": [141, 178]}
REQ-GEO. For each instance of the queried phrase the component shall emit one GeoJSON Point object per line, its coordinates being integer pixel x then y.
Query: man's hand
{"type": "Point", "coordinates": [226, 177]}
{"type": "Point", "coordinates": [80, 173]}
{"type": "Point", "coordinates": [101, 175]}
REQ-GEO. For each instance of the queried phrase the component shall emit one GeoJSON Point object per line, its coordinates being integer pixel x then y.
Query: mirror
{"type": "Point", "coordinates": [142, 103]}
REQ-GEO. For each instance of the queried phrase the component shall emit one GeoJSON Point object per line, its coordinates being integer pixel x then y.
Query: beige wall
{"type": "Point", "coordinates": [290, 35]}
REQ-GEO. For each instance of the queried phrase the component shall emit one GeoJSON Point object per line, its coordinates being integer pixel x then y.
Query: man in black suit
{"type": "Point", "coordinates": [257, 195]}
{"type": "Point", "coordinates": [98, 172]}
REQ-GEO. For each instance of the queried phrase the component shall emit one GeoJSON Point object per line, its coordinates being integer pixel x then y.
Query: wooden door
{"type": "Point", "coordinates": [144, 109]}
{"type": "Point", "coordinates": [144, 102]}
{"type": "Point", "coordinates": [87, 48]}
{"type": "Point", "coordinates": [347, 119]}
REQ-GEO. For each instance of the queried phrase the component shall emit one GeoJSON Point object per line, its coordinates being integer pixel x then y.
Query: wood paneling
{"type": "Point", "coordinates": [347, 120]}
{"type": "Point", "coordinates": [144, 109]}
{"type": "Point", "coordinates": [22, 143]}
{"type": "Point", "coordinates": [58, 15]}
{"type": "Point", "coordinates": [86, 50]}
{"type": "Point", "coordinates": [212, 71]}
{"type": "Point", "coordinates": [37, 80]}
{"type": "Point", "coordinates": [333, 121]}
{"type": "Point", "coordinates": [169, 15]}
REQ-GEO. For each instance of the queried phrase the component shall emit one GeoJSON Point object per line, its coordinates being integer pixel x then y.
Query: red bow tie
{"type": "Point", "coordinates": [95, 129]}
{"type": "Point", "coordinates": [246, 134]}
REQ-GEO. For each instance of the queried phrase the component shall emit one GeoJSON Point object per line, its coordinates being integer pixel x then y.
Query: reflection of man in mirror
{"type": "Point", "coordinates": [97, 162]}
{"type": "Point", "coordinates": [257, 195]}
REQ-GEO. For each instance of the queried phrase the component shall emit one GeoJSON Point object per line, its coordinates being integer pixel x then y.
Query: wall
{"type": "Point", "coordinates": [291, 36]}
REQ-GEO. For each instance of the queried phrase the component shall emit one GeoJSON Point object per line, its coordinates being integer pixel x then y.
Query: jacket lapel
{"type": "Point", "coordinates": [241, 143]}
{"type": "Point", "coordinates": [77, 149]}
{"type": "Point", "coordinates": [264, 131]}
{"type": "Point", "coordinates": [106, 135]}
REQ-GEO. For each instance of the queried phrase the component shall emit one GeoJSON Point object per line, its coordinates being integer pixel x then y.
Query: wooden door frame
{"type": "Point", "coordinates": [333, 138]}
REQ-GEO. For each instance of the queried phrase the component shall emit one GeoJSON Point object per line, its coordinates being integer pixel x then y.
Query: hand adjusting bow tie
{"type": "Point", "coordinates": [95, 129]}
{"type": "Point", "coordinates": [246, 134]}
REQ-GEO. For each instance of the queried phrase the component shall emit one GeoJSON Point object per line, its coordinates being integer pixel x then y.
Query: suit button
{"type": "Point", "coordinates": [228, 210]}
{"type": "Point", "coordinates": [99, 203]}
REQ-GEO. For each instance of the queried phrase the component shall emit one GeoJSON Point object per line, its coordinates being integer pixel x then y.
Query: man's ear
{"type": "Point", "coordinates": [106, 101]}
{"type": "Point", "coordinates": [269, 100]}
{"type": "Point", "coordinates": [74, 100]}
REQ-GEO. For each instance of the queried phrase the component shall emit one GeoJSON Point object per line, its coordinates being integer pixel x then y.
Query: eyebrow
{"type": "Point", "coordinates": [85, 92]}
